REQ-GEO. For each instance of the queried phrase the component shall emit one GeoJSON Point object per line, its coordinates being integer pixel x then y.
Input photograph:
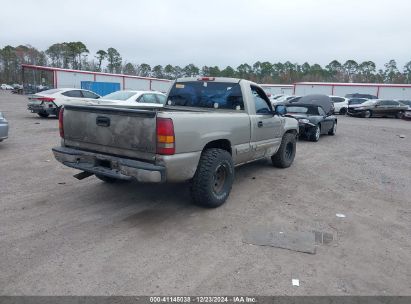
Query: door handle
{"type": "Point", "coordinates": [260, 124]}
{"type": "Point", "coordinates": [103, 121]}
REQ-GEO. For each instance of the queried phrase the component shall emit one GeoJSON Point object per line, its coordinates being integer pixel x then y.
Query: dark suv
{"type": "Point", "coordinates": [378, 107]}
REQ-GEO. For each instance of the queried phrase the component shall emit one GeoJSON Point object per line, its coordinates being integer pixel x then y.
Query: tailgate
{"type": "Point", "coordinates": [125, 132]}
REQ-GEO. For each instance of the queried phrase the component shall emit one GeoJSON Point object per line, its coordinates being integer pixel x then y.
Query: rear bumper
{"type": "Point", "coordinates": [38, 108]}
{"type": "Point", "coordinates": [110, 166]}
{"type": "Point", "coordinates": [356, 112]}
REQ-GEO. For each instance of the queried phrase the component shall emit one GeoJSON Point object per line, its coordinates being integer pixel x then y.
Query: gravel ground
{"type": "Point", "coordinates": [62, 236]}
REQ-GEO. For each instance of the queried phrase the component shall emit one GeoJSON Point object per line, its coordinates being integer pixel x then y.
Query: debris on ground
{"type": "Point", "coordinates": [401, 136]}
{"type": "Point", "coordinates": [323, 238]}
{"type": "Point", "coordinates": [295, 282]}
{"type": "Point", "coordinates": [291, 240]}
{"type": "Point", "coordinates": [340, 215]}
{"type": "Point", "coordinates": [62, 183]}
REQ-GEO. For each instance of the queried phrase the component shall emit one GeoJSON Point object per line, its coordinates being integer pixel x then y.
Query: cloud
{"type": "Point", "coordinates": [219, 32]}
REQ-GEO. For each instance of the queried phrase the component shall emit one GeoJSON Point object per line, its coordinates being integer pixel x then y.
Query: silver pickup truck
{"type": "Point", "coordinates": [207, 127]}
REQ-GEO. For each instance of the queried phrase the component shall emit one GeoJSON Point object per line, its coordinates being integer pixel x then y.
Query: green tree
{"type": "Point", "coordinates": [129, 69]}
{"type": "Point", "coordinates": [114, 60]}
{"type": "Point", "coordinates": [101, 55]}
{"type": "Point", "coordinates": [391, 71]}
{"type": "Point", "coordinates": [157, 71]}
{"type": "Point", "coordinates": [191, 70]}
{"type": "Point", "coordinates": [351, 68]}
{"type": "Point", "coordinates": [144, 70]}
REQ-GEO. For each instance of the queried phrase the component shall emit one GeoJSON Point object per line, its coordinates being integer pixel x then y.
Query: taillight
{"type": "Point", "coordinates": [206, 79]}
{"type": "Point", "coordinates": [61, 127]}
{"type": "Point", "coordinates": [165, 136]}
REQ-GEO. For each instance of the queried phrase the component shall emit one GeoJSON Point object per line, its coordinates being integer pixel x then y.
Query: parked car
{"type": "Point", "coordinates": [340, 104]}
{"type": "Point", "coordinates": [358, 95]}
{"type": "Point", "coordinates": [207, 127]}
{"type": "Point", "coordinates": [143, 98]}
{"type": "Point", "coordinates": [353, 103]}
{"type": "Point", "coordinates": [49, 102]}
{"type": "Point", "coordinates": [379, 107]}
{"type": "Point", "coordinates": [315, 116]}
{"type": "Point", "coordinates": [6, 87]}
{"type": "Point", "coordinates": [4, 127]}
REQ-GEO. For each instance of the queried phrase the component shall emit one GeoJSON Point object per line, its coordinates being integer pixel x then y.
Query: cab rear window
{"type": "Point", "coordinates": [204, 94]}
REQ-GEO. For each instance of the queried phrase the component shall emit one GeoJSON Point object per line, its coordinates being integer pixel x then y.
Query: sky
{"type": "Point", "coordinates": [222, 33]}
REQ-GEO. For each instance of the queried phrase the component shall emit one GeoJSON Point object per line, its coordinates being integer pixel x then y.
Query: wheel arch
{"type": "Point", "coordinates": [223, 144]}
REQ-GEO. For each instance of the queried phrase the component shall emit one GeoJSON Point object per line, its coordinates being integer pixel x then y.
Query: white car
{"type": "Point", "coordinates": [133, 98]}
{"type": "Point", "coordinates": [49, 102]}
{"type": "Point", "coordinates": [6, 87]}
{"type": "Point", "coordinates": [340, 104]}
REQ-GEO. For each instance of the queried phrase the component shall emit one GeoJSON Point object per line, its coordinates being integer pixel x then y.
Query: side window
{"type": "Point", "coordinates": [73, 93]}
{"type": "Point", "coordinates": [384, 103]}
{"type": "Point", "coordinates": [148, 98]}
{"type": "Point", "coordinates": [88, 94]}
{"type": "Point", "coordinates": [161, 99]}
{"type": "Point", "coordinates": [261, 101]}
{"type": "Point", "coordinates": [337, 99]}
{"type": "Point", "coordinates": [321, 111]}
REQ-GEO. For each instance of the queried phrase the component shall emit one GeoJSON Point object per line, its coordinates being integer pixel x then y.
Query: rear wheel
{"type": "Point", "coordinates": [286, 153]}
{"type": "Point", "coordinates": [212, 182]}
{"type": "Point", "coordinates": [367, 114]}
{"type": "Point", "coordinates": [315, 133]}
{"type": "Point", "coordinates": [43, 114]}
{"type": "Point", "coordinates": [343, 111]}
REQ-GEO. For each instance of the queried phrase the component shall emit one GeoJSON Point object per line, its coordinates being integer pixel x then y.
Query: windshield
{"type": "Point", "coordinates": [204, 94]}
{"type": "Point", "coordinates": [119, 95]}
{"type": "Point", "coordinates": [306, 109]}
{"type": "Point", "coordinates": [49, 92]}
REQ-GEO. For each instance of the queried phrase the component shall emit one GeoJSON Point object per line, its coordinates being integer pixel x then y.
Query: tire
{"type": "Point", "coordinates": [315, 133]}
{"type": "Point", "coordinates": [43, 114]}
{"type": "Point", "coordinates": [367, 114]}
{"type": "Point", "coordinates": [399, 115]}
{"type": "Point", "coordinates": [286, 153]}
{"type": "Point", "coordinates": [109, 180]}
{"type": "Point", "coordinates": [212, 182]}
{"type": "Point", "coordinates": [333, 130]}
{"type": "Point", "coordinates": [343, 111]}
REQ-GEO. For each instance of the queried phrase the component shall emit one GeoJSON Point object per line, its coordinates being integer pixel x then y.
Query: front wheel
{"type": "Point", "coordinates": [315, 134]}
{"type": "Point", "coordinates": [399, 115]}
{"type": "Point", "coordinates": [368, 114]}
{"type": "Point", "coordinates": [212, 182]}
{"type": "Point", "coordinates": [333, 130]}
{"type": "Point", "coordinates": [286, 153]}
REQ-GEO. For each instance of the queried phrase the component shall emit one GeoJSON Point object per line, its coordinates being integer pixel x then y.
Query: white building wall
{"type": "Point", "coordinates": [72, 79]}
{"type": "Point", "coordinates": [105, 78]}
{"type": "Point", "coordinates": [273, 90]}
{"type": "Point", "coordinates": [344, 90]}
{"type": "Point", "coordinates": [161, 86]}
{"type": "Point", "coordinates": [137, 84]}
{"type": "Point", "coordinates": [394, 93]}
{"type": "Point", "coordinates": [306, 89]}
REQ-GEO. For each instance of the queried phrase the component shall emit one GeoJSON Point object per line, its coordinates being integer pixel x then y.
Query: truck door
{"type": "Point", "coordinates": [265, 126]}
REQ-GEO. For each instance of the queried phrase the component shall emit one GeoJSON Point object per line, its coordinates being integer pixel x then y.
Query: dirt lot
{"type": "Point", "coordinates": [62, 236]}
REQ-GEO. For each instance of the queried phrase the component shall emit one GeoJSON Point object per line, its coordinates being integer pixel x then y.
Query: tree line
{"type": "Point", "coordinates": [75, 55]}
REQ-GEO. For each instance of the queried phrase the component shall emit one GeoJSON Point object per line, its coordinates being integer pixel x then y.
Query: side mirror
{"type": "Point", "coordinates": [280, 110]}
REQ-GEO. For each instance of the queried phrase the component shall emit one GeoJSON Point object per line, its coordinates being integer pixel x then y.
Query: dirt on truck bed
{"type": "Point", "coordinates": [62, 236]}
